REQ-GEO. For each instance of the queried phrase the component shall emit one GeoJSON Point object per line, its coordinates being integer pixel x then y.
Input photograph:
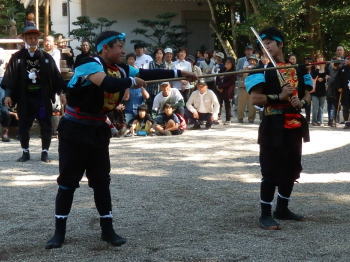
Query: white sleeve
{"type": "Point", "coordinates": [189, 103]}
{"type": "Point", "coordinates": [216, 104]}
{"type": "Point", "coordinates": [57, 57]}
{"type": "Point", "coordinates": [156, 103]}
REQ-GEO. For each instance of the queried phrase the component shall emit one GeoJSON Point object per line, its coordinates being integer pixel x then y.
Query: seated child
{"type": "Point", "coordinates": [167, 123]}
{"type": "Point", "coordinates": [141, 125]}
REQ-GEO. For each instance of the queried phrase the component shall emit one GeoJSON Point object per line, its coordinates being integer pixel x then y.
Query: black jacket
{"type": "Point", "coordinates": [15, 79]}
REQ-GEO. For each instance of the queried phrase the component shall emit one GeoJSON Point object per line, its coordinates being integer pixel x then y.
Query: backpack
{"type": "Point", "coordinates": [183, 124]}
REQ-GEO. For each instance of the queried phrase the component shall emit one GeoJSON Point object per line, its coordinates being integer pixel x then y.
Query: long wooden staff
{"type": "Point", "coordinates": [244, 71]}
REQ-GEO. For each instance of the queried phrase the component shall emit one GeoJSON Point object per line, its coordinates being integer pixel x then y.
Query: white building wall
{"type": "Point", "coordinates": [60, 23]}
{"type": "Point", "coordinates": [127, 12]}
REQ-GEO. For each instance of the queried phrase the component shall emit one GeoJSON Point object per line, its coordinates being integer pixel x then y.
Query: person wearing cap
{"type": "Point", "coordinates": [281, 130]}
{"type": "Point", "coordinates": [219, 65]}
{"type": "Point", "coordinates": [242, 61]}
{"type": "Point", "coordinates": [94, 90]}
{"type": "Point", "coordinates": [142, 59]}
{"type": "Point", "coordinates": [168, 95]}
{"type": "Point", "coordinates": [168, 58]}
{"type": "Point", "coordinates": [203, 105]}
{"type": "Point", "coordinates": [31, 82]}
{"type": "Point", "coordinates": [243, 101]}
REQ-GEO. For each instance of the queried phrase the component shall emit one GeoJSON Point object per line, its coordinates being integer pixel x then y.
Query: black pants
{"type": "Point", "coordinates": [5, 118]}
{"type": "Point", "coordinates": [202, 117]}
{"type": "Point", "coordinates": [346, 109]}
{"type": "Point", "coordinates": [308, 112]}
{"type": "Point", "coordinates": [34, 110]}
{"type": "Point", "coordinates": [83, 149]}
{"type": "Point", "coordinates": [282, 164]}
{"type": "Point", "coordinates": [185, 94]}
{"type": "Point", "coordinates": [227, 103]}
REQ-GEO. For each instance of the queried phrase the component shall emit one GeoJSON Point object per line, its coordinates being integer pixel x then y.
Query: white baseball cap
{"type": "Point", "coordinates": [220, 54]}
{"type": "Point", "coordinates": [168, 50]}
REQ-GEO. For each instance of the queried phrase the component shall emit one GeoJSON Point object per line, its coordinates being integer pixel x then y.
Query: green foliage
{"type": "Point", "coordinates": [160, 32]}
{"type": "Point", "coordinates": [309, 26]}
{"type": "Point", "coordinates": [87, 28]}
{"type": "Point", "coordinates": [103, 23]}
{"type": "Point", "coordinates": [11, 10]}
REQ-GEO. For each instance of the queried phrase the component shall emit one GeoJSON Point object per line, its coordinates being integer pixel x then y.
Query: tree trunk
{"type": "Point", "coordinates": [47, 17]}
{"type": "Point", "coordinates": [247, 8]}
{"type": "Point", "coordinates": [314, 24]}
{"type": "Point", "coordinates": [213, 25]}
{"type": "Point", "coordinates": [233, 29]}
{"type": "Point", "coordinates": [255, 6]}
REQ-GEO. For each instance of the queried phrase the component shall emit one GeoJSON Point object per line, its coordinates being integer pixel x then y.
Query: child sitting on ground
{"type": "Point", "coordinates": [141, 125]}
{"type": "Point", "coordinates": [168, 123]}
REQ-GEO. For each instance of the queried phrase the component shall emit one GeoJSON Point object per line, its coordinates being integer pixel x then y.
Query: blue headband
{"type": "Point", "coordinates": [121, 37]}
{"type": "Point", "coordinates": [276, 38]}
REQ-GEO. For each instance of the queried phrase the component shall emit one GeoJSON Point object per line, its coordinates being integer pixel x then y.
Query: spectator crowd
{"type": "Point", "coordinates": [169, 108]}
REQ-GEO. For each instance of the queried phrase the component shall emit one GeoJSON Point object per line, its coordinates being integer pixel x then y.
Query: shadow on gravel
{"type": "Point", "coordinates": [177, 199]}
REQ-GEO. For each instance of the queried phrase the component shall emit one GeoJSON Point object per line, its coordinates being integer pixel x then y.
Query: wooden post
{"type": "Point", "coordinates": [47, 17]}
{"type": "Point", "coordinates": [37, 13]}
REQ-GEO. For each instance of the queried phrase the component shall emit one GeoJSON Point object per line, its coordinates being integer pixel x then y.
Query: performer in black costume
{"type": "Point", "coordinates": [281, 130]}
{"type": "Point", "coordinates": [31, 81]}
{"type": "Point", "coordinates": [84, 135]}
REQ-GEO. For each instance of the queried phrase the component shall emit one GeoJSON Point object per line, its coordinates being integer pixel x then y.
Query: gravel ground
{"type": "Point", "coordinates": [184, 198]}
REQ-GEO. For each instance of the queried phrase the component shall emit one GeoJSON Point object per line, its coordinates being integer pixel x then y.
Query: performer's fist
{"type": "Point", "coordinates": [140, 82]}
{"type": "Point", "coordinates": [287, 91]}
{"type": "Point", "coordinates": [63, 99]}
{"type": "Point", "coordinates": [191, 77]}
{"type": "Point", "coordinates": [8, 101]}
{"type": "Point", "coordinates": [296, 103]}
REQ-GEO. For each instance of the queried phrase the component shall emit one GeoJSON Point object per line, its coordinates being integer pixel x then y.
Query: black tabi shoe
{"type": "Point", "coordinates": [108, 233]}
{"type": "Point", "coordinates": [196, 127]}
{"type": "Point", "coordinates": [268, 223]}
{"type": "Point", "coordinates": [287, 215]}
{"type": "Point", "coordinates": [60, 232]}
{"type": "Point", "coordinates": [5, 139]}
{"type": "Point", "coordinates": [24, 158]}
{"type": "Point", "coordinates": [45, 157]}
{"type": "Point", "coordinates": [282, 211]}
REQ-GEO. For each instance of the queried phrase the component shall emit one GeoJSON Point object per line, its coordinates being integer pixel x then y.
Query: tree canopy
{"type": "Point", "coordinates": [161, 32]}
{"type": "Point", "coordinates": [11, 10]}
{"type": "Point", "coordinates": [309, 26]}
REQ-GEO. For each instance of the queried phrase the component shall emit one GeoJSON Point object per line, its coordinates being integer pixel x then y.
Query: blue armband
{"type": "Point", "coordinates": [253, 80]}
{"type": "Point", "coordinates": [308, 80]}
